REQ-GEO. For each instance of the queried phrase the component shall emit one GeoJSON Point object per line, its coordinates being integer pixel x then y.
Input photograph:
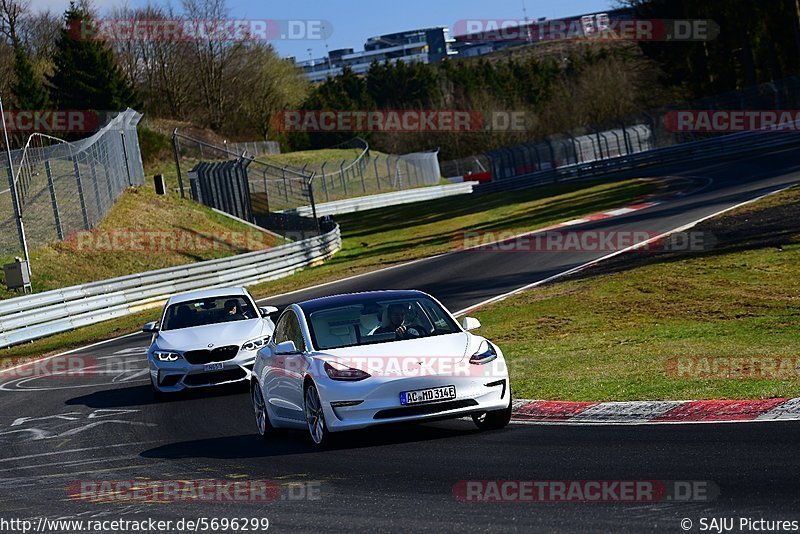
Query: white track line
{"type": "Point", "coordinates": [45, 358]}
{"type": "Point", "coordinates": [592, 263]}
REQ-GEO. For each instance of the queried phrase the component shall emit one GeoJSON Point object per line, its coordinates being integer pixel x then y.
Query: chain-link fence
{"type": "Point", "coordinates": [553, 153]}
{"type": "Point", "coordinates": [275, 192]}
{"type": "Point", "coordinates": [64, 187]}
{"type": "Point", "coordinates": [255, 148]}
{"type": "Point", "coordinates": [270, 189]}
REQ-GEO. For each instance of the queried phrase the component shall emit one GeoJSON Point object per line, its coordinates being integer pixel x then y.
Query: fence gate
{"type": "Point", "coordinates": [223, 185]}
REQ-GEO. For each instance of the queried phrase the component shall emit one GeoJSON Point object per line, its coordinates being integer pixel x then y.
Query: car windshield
{"type": "Point", "coordinates": [378, 320]}
{"type": "Point", "coordinates": [208, 311]}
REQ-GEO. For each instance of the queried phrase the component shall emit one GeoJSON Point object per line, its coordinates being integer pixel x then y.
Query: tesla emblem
{"type": "Point", "coordinates": [210, 345]}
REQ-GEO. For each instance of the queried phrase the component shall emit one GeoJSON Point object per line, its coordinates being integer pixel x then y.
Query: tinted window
{"type": "Point", "coordinates": [377, 320]}
{"type": "Point", "coordinates": [208, 311]}
{"type": "Point", "coordinates": [288, 329]}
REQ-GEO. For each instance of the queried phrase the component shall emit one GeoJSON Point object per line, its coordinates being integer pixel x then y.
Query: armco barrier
{"type": "Point", "coordinates": [36, 316]}
{"type": "Point", "coordinates": [716, 148]}
{"type": "Point", "coordinates": [383, 200]}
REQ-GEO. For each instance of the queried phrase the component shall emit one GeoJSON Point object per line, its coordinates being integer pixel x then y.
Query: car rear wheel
{"type": "Point", "coordinates": [263, 424]}
{"type": "Point", "coordinates": [495, 419]}
{"type": "Point", "coordinates": [315, 417]}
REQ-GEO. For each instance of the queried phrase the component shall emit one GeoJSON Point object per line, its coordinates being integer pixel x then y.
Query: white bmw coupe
{"type": "Point", "coordinates": [352, 361]}
{"type": "Point", "coordinates": [206, 338]}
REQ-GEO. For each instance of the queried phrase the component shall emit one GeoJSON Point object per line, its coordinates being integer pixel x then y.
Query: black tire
{"type": "Point", "coordinates": [263, 424]}
{"type": "Point", "coordinates": [494, 420]}
{"type": "Point", "coordinates": [315, 417]}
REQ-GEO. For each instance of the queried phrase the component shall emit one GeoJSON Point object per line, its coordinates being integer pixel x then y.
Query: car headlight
{"type": "Point", "coordinates": [255, 344]}
{"type": "Point", "coordinates": [166, 356]}
{"type": "Point", "coordinates": [486, 353]}
{"type": "Point", "coordinates": [338, 371]}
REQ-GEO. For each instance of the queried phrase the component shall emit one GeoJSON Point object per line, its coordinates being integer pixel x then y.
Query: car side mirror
{"type": "Point", "coordinates": [470, 323]}
{"type": "Point", "coordinates": [266, 311]}
{"type": "Point", "coordinates": [151, 328]}
{"type": "Point", "coordinates": [286, 348]}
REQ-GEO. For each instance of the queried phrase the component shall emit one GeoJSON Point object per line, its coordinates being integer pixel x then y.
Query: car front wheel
{"type": "Point", "coordinates": [263, 424]}
{"type": "Point", "coordinates": [315, 417]}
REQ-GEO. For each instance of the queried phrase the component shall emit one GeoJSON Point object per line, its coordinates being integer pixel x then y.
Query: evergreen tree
{"type": "Point", "coordinates": [86, 74]}
{"type": "Point", "coordinates": [29, 92]}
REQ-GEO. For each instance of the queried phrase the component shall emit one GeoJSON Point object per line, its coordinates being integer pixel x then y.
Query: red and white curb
{"type": "Point", "coordinates": [655, 412]}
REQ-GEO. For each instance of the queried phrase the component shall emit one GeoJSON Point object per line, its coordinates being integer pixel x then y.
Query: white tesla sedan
{"type": "Point", "coordinates": [206, 338]}
{"type": "Point", "coordinates": [351, 361]}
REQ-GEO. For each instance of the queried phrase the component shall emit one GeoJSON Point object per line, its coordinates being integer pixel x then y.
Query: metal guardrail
{"type": "Point", "coordinates": [738, 144]}
{"type": "Point", "coordinates": [44, 314]}
{"type": "Point", "coordinates": [383, 200]}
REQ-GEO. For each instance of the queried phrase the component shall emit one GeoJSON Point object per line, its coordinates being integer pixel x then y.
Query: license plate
{"type": "Point", "coordinates": [213, 367]}
{"type": "Point", "coordinates": [428, 395]}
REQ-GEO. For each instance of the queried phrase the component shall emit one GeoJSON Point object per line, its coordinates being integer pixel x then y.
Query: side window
{"type": "Point", "coordinates": [279, 335]}
{"type": "Point", "coordinates": [294, 333]}
{"type": "Point", "coordinates": [288, 329]}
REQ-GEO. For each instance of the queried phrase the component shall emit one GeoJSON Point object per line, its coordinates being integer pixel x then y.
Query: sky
{"type": "Point", "coordinates": [353, 21]}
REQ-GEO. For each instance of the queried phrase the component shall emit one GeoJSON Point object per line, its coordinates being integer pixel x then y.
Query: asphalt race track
{"type": "Point", "coordinates": [56, 431]}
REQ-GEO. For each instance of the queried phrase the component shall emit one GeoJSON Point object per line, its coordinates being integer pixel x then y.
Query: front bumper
{"type": "Point", "coordinates": [381, 404]}
{"type": "Point", "coordinates": [172, 377]}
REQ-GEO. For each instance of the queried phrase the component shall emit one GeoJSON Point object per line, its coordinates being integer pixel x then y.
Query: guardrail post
{"type": "Point", "coordinates": [361, 172]}
{"type": "Point", "coordinates": [53, 199]}
{"type": "Point", "coordinates": [377, 175]}
{"type": "Point", "coordinates": [176, 151]}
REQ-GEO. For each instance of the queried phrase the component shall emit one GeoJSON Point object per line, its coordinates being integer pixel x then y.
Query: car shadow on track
{"type": "Point", "coordinates": [296, 442]}
{"type": "Point", "coordinates": [143, 396]}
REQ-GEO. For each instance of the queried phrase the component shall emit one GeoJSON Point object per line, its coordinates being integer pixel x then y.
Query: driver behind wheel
{"type": "Point", "coordinates": [397, 324]}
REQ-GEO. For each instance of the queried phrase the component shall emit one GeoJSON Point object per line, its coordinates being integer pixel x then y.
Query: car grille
{"type": "Point", "coordinates": [217, 377]}
{"type": "Point", "coordinates": [220, 354]}
{"type": "Point", "coordinates": [425, 409]}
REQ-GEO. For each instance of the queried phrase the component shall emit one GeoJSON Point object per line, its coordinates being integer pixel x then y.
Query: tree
{"type": "Point", "coordinates": [29, 92]}
{"type": "Point", "coordinates": [86, 73]}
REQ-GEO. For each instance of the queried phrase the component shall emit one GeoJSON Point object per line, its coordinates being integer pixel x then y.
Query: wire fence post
{"type": "Point", "coordinates": [176, 150]}
{"type": "Point", "coordinates": [377, 175]}
{"type": "Point", "coordinates": [341, 173]}
{"type": "Point", "coordinates": [13, 190]}
{"type": "Point", "coordinates": [56, 215]}
{"type": "Point", "coordinates": [81, 194]}
{"type": "Point", "coordinates": [325, 182]}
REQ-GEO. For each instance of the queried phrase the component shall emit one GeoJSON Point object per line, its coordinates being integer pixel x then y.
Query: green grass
{"type": "Point", "coordinates": [314, 158]}
{"type": "Point", "coordinates": [610, 337]}
{"type": "Point", "coordinates": [379, 238]}
{"type": "Point", "coordinates": [87, 257]}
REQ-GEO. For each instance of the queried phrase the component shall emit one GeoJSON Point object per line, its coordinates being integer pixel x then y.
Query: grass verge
{"type": "Point", "coordinates": [611, 333]}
